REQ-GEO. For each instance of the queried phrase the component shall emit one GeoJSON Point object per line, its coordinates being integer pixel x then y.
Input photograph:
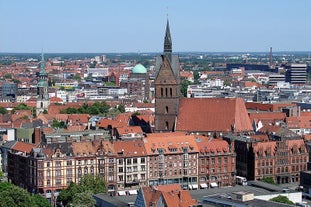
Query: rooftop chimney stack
{"type": "Point", "coordinates": [270, 57]}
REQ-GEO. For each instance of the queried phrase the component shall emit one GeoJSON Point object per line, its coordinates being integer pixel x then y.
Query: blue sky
{"type": "Point", "coordinates": [139, 25]}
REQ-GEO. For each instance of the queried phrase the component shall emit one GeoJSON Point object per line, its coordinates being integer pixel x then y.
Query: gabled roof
{"type": "Point", "coordinates": [129, 130]}
{"type": "Point", "coordinates": [170, 143]}
{"type": "Point", "coordinates": [130, 148]}
{"type": "Point", "coordinates": [207, 145]}
{"type": "Point", "coordinates": [23, 147]}
{"type": "Point", "coordinates": [212, 114]}
{"type": "Point", "coordinates": [273, 116]}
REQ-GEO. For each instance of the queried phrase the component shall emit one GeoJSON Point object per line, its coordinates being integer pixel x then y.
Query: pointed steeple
{"type": "Point", "coordinates": [167, 40]}
{"type": "Point", "coordinates": [42, 65]}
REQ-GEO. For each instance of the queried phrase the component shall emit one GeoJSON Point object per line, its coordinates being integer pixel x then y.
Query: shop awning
{"type": "Point", "coordinates": [133, 192]}
{"type": "Point", "coordinates": [121, 193]}
{"type": "Point", "coordinates": [194, 186]}
{"type": "Point", "coordinates": [203, 185]}
{"type": "Point", "coordinates": [213, 185]}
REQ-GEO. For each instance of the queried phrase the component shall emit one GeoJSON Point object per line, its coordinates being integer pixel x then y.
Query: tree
{"type": "Point", "coordinates": [184, 87]}
{"type": "Point", "coordinates": [39, 201]}
{"type": "Point", "coordinates": [8, 76]}
{"type": "Point", "coordinates": [84, 199]}
{"type": "Point", "coordinates": [13, 196]}
{"type": "Point", "coordinates": [268, 180]}
{"type": "Point", "coordinates": [88, 184]}
{"type": "Point", "coordinates": [22, 106]}
{"type": "Point", "coordinates": [3, 110]}
{"type": "Point", "coordinates": [121, 108]}
{"type": "Point", "coordinates": [282, 199]}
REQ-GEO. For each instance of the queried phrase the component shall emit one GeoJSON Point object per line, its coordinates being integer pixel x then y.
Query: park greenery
{"type": "Point", "coordinates": [282, 199]}
{"type": "Point", "coordinates": [81, 194]}
{"type": "Point", "coordinates": [98, 108]}
{"type": "Point", "coordinates": [13, 196]}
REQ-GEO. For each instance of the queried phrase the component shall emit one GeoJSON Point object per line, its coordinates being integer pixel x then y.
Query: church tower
{"type": "Point", "coordinates": [43, 101]}
{"type": "Point", "coordinates": [167, 87]}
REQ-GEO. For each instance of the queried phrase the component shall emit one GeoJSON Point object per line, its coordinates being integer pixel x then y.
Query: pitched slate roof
{"type": "Point", "coordinates": [213, 114]}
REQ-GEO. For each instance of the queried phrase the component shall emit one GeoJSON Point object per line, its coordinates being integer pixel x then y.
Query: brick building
{"type": "Point", "coordinates": [216, 162]}
{"type": "Point", "coordinates": [281, 157]}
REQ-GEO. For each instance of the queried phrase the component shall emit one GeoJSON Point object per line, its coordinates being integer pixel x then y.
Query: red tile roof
{"type": "Point", "coordinates": [130, 148]}
{"type": "Point", "coordinates": [212, 145]}
{"type": "Point", "coordinates": [23, 147]}
{"type": "Point", "coordinates": [129, 130]}
{"type": "Point", "coordinates": [213, 114]}
{"type": "Point", "coordinates": [168, 141]}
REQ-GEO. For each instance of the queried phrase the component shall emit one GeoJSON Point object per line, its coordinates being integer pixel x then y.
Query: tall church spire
{"type": "Point", "coordinates": [167, 40]}
{"type": "Point", "coordinates": [42, 65]}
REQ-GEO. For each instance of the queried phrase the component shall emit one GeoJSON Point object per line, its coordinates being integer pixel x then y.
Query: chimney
{"type": "Point", "coordinates": [37, 136]}
{"type": "Point", "coordinates": [270, 63]}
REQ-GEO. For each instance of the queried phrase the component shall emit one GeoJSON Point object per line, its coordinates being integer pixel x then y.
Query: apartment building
{"type": "Point", "coordinates": [172, 158]}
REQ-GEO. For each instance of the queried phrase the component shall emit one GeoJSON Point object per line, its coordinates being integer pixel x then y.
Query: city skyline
{"type": "Point", "coordinates": [138, 26]}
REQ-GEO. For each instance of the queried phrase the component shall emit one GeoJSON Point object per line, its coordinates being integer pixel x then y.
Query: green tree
{"type": "Point", "coordinates": [93, 110]}
{"type": "Point", "coordinates": [184, 87]}
{"type": "Point", "coordinates": [14, 196]}
{"type": "Point", "coordinates": [268, 180]}
{"type": "Point", "coordinates": [89, 183]}
{"type": "Point", "coordinates": [39, 201]}
{"type": "Point", "coordinates": [8, 76]}
{"type": "Point", "coordinates": [3, 110]}
{"type": "Point", "coordinates": [282, 199]}
{"type": "Point", "coordinates": [76, 77]}
{"type": "Point", "coordinates": [84, 199]}
{"type": "Point", "coordinates": [121, 108]}
{"type": "Point", "coordinates": [58, 124]}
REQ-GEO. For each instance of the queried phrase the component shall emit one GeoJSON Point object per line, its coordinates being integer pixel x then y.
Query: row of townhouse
{"type": "Point", "coordinates": [163, 158]}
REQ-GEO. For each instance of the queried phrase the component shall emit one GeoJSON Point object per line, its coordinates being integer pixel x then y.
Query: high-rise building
{"type": "Point", "coordinates": [297, 74]}
{"type": "Point", "coordinates": [167, 86]}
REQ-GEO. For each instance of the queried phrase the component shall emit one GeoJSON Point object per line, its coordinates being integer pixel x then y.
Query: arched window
{"type": "Point", "coordinates": [161, 92]}
{"type": "Point", "coordinates": [166, 125]}
{"type": "Point", "coordinates": [171, 92]}
{"type": "Point", "coordinates": [166, 92]}
{"type": "Point", "coordinates": [166, 109]}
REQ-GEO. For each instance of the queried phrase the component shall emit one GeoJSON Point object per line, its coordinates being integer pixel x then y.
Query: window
{"type": "Point", "coordinates": [166, 92]}
{"type": "Point", "coordinates": [161, 92]}
{"type": "Point", "coordinates": [58, 163]}
{"type": "Point", "coordinates": [85, 170]}
{"type": "Point", "coordinates": [69, 163]}
{"type": "Point", "coordinates": [85, 162]}
{"type": "Point", "coordinates": [134, 160]}
{"type": "Point", "coordinates": [120, 161]}
{"type": "Point", "coordinates": [120, 170]}
{"type": "Point", "coordinates": [58, 173]}
{"type": "Point", "coordinates": [142, 160]}
{"type": "Point", "coordinates": [48, 164]}
{"type": "Point", "coordinates": [166, 125]}
{"type": "Point", "coordinates": [129, 161]}
{"type": "Point", "coordinates": [166, 109]}
{"type": "Point", "coordinates": [48, 182]}
{"type": "Point", "coordinates": [171, 92]}
{"type": "Point", "coordinates": [69, 172]}
{"type": "Point", "coordinates": [58, 182]}
{"type": "Point", "coordinates": [111, 160]}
